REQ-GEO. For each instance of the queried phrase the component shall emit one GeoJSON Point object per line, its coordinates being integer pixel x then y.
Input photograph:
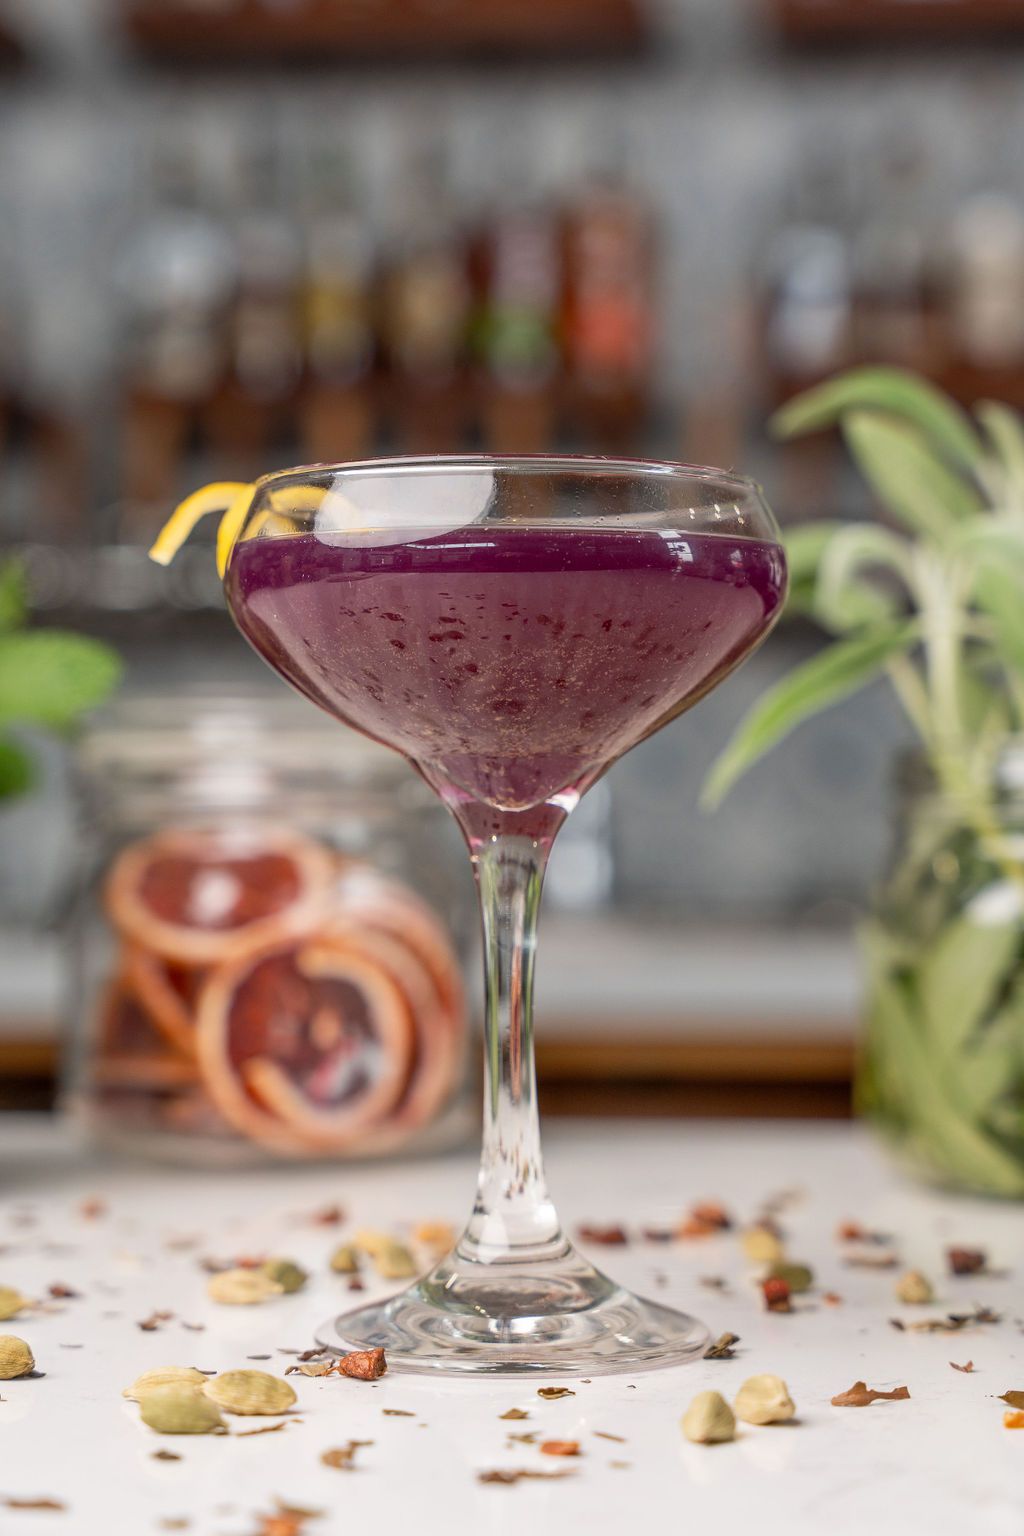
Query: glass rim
{"type": "Point", "coordinates": [552, 463]}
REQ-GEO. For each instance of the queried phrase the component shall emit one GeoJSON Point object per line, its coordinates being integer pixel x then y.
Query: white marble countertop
{"type": "Point", "coordinates": [941, 1463]}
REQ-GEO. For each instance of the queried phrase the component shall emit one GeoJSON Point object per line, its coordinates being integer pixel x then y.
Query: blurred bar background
{"type": "Point", "coordinates": [238, 234]}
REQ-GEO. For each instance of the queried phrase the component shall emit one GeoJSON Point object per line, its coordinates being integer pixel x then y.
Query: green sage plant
{"type": "Point", "coordinates": [49, 678]}
{"type": "Point", "coordinates": [931, 598]}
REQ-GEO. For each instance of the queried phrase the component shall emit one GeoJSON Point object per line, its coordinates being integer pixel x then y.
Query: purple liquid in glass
{"type": "Point", "coordinates": [513, 663]}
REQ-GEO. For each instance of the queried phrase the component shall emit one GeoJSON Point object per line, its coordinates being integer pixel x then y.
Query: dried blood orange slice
{"type": "Point", "coordinates": [199, 896]}
{"type": "Point", "coordinates": [305, 1046]}
{"type": "Point", "coordinates": [376, 901]}
{"type": "Point", "coordinates": [132, 1053]}
{"type": "Point", "coordinates": [164, 993]}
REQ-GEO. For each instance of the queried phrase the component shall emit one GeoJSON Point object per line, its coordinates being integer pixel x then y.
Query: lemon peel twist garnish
{"type": "Point", "coordinates": [231, 498]}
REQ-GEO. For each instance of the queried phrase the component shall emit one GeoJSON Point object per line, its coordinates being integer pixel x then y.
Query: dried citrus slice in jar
{"type": "Point", "coordinates": [199, 896]}
{"type": "Point", "coordinates": [305, 1047]}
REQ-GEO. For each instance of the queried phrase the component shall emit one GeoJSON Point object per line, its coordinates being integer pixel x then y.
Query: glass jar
{"type": "Point", "coordinates": [942, 1064]}
{"type": "Point", "coordinates": [271, 941]}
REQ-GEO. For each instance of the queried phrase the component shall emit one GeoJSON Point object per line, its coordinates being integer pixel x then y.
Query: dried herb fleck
{"type": "Point", "coordinates": [519, 1475]}
{"type": "Point", "coordinates": [514, 1413]}
{"type": "Point", "coordinates": [952, 1323]}
{"type": "Point", "coordinates": [966, 1261]}
{"type": "Point", "coordinates": [860, 1395]}
{"type": "Point", "coordinates": [397, 1413]}
{"type": "Point", "coordinates": [724, 1347]}
{"type": "Point", "coordinates": [552, 1394]}
{"type": "Point", "coordinates": [342, 1457]}
{"type": "Point", "coordinates": [612, 1235]}
{"type": "Point", "coordinates": [560, 1448]}
{"type": "Point", "coordinates": [154, 1321]}
{"type": "Point", "coordinates": [61, 1292]}
{"type": "Point", "coordinates": [15, 1503]}
{"type": "Point", "coordinates": [603, 1434]}
{"type": "Point", "coordinates": [1015, 1399]}
{"type": "Point", "coordinates": [265, 1429]}
{"type": "Point", "coordinates": [166, 1456]}
{"type": "Point", "coordinates": [967, 1367]}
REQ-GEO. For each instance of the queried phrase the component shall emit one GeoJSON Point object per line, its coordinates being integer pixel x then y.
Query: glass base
{"type": "Point", "coordinates": [518, 1319]}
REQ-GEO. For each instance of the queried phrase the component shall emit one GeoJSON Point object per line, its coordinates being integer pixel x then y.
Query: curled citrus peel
{"type": "Point", "coordinates": [232, 499]}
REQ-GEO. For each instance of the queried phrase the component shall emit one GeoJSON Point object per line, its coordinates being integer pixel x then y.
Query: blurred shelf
{"type": "Point", "coordinates": [822, 22]}
{"type": "Point", "coordinates": [334, 31]}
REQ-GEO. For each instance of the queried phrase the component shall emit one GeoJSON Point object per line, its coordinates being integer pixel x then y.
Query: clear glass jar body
{"type": "Point", "coordinates": [942, 1064]}
{"type": "Point", "coordinates": [270, 942]}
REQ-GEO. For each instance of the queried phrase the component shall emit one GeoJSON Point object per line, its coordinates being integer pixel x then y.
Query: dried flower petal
{"type": "Point", "coordinates": [832, 1299]}
{"type": "Point", "coordinates": [968, 1366]}
{"type": "Point", "coordinates": [1013, 1419]}
{"type": "Point", "coordinates": [862, 1396]}
{"type": "Point", "coordinates": [966, 1261]}
{"type": "Point", "coordinates": [560, 1448]}
{"type": "Point", "coordinates": [514, 1413]}
{"type": "Point", "coordinates": [612, 1236]}
{"type": "Point", "coordinates": [552, 1394]}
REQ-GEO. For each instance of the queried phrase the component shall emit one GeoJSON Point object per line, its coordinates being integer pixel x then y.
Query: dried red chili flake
{"type": "Point", "coordinates": [832, 1299]}
{"type": "Point", "coordinates": [968, 1366]}
{"type": "Point", "coordinates": [612, 1236]}
{"type": "Point", "coordinates": [713, 1282]}
{"type": "Point", "coordinates": [776, 1294]}
{"type": "Point", "coordinates": [363, 1364]}
{"type": "Point", "coordinates": [93, 1208]}
{"type": "Point", "coordinates": [712, 1213]}
{"type": "Point", "coordinates": [327, 1216]}
{"type": "Point", "coordinates": [355, 1284]}
{"type": "Point", "coordinates": [860, 1395]}
{"type": "Point", "coordinates": [154, 1321]}
{"type": "Point", "coordinates": [1013, 1419]}
{"type": "Point", "coordinates": [61, 1292]}
{"type": "Point", "coordinates": [966, 1261]}
{"type": "Point", "coordinates": [560, 1448]}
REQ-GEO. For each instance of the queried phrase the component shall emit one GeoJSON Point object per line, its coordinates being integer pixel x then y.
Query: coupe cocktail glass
{"type": "Point", "coordinates": [512, 626]}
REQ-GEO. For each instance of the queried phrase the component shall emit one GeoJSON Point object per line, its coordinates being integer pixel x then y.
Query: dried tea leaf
{"type": "Point", "coordinates": [832, 1299]}
{"type": "Point", "coordinates": [603, 1434]}
{"type": "Point", "coordinates": [313, 1368]}
{"type": "Point", "coordinates": [342, 1457]}
{"type": "Point", "coordinates": [154, 1321]}
{"type": "Point", "coordinates": [866, 1260]}
{"type": "Point", "coordinates": [1015, 1399]}
{"type": "Point", "coordinates": [713, 1282]}
{"type": "Point", "coordinates": [854, 1232]}
{"type": "Point", "coordinates": [514, 1413]}
{"type": "Point", "coordinates": [14, 1503]}
{"type": "Point", "coordinates": [612, 1235]}
{"type": "Point", "coordinates": [952, 1323]}
{"type": "Point", "coordinates": [327, 1216]}
{"type": "Point", "coordinates": [166, 1456]}
{"type": "Point", "coordinates": [657, 1234]}
{"type": "Point", "coordinates": [560, 1447]}
{"type": "Point", "coordinates": [519, 1475]}
{"type": "Point", "coordinates": [529, 1438]}
{"type": "Point", "coordinates": [265, 1429]}
{"type": "Point", "coordinates": [552, 1394]}
{"type": "Point", "coordinates": [966, 1368]}
{"type": "Point", "coordinates": [363, 1364]}
{"type": "Point", "coordinates": [966, 1261]}
{"type": "Point", "coordinates": [316, 1353]}
{"type": "Point", "coordinates": [398, 1413]}
{"type": "Point", "coordinates": [61, 1292]}
{"type": "Point", "coordinates": [860, 1395]}
{"type": "Point", "coordinates": [724, 1347]}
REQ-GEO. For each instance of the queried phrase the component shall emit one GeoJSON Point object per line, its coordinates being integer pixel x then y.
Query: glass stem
{"type": "Point", "coordinates": [513, 1220]}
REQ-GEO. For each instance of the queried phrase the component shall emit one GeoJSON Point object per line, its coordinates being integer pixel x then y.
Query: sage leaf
{"type": "Point", "coordinates": [906, 476]}
{"type": "Point", "coordinates": [17, 771]}
{"type": "Point", "coordinates": [893, 391]}
{"type": "Point", "coordinates": [1005, 431]}
{"type": "Point", "coordinates": [805, 546]}
{"type": "Point", "coordinates": [13, 596]}
{"type": "Point", "coordinates": [842, 600]}
{"type": "Point", "coordinates": [999, 592]}
{"type": "Point", "coordinates": [835, 673]}
{"type": "Point", "coordinates": [960, 976]}
{"type": "Point", "coordinates": [50, 677]}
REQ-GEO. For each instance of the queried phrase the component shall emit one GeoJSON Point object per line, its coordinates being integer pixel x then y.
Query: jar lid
{"type": "Point", "coordinates": [225, 742]}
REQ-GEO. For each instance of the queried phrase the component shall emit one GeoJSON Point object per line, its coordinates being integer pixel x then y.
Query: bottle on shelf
{"type": "Point", "coordinates": [425, 306]}
{"type": "Point", "coordinates": [176, 282]}
{"type": "Point", "coordinates": [984, 285]}
{"type": "Point", "coordinates": [252, 407]}
{"type": "Point", "coordinates": [893, 322]}
{"type": "Point", "coordinates": [608, 306]}
{"type": "Point", "coordinates": [337, 414]}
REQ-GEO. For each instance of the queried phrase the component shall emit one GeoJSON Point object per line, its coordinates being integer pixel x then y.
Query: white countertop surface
{"type": "Point", "coordinates": [941, 1464]}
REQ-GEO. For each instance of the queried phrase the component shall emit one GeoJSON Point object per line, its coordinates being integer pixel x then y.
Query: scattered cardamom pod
{"type": "Point", "coordinates": [242, 1287]}
{"type": "Point", "coordinates": [914, 1289]}
{"type": "Point", "coordinates": [11, 1303]}
{"type": "Point", "coordinates": [391, 1259]}
{"type": "Point", "coordinates": [764, 1399]}
{"type": "Point", "coordinates": [799, 1277]}
{"type": "Point", "coordinates": [345, 1260]}
{"type": "Point", "coordinates": [180, 1410]}
{"type": "Point", "coordinates": [16, 1358]}
{"type": "Point", "coordinates": [290, 1276]}
{"type": "Point", "coordinates": [762, 1246]}
{"type": "Point", "coordinates": [164, 1376]}
{"type": "Point", "coordinates": [247, 1392]}
{"type": "Point", "coordinates": [709, 1419]}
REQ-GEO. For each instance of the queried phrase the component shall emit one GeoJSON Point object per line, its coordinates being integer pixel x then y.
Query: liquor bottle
{"type": "Point", "coordinates": [336, 413]}
{"type": "Point", "coordinates": [608, 312]}
{"type": "Point", "coordinates": [516, 263]}
{"type": "Point", "coordinates": [425, 306]}
{"type": "Point", "coordinates": [252, 407]}
{"type": "Point", "coordinates": [175, 281]}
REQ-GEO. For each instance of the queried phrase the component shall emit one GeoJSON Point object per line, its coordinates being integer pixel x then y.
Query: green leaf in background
{"type": "Point", "coordinates": [894, 392]}
{"type": "Point", "coordinates": [833, 674]}
{"type": "Point", "coordinates": [908, 479]}
{"type": "Point", "coordinates": [842, 600]}
{"type": "Point", "coordinates": [13, 596]}
{"type": "Point", "coordinates": [959, 978]}
{"type": "Point", "coordinates": [805, 544]}
{"type": "Point", "coordinates": [17, 772]}
{"type": "Point", "coordinates": [999, 593]}
{"type": "Point", "coordinates": [1006, 433]}
{"type": "Point", "coordinates": [49, 677]}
